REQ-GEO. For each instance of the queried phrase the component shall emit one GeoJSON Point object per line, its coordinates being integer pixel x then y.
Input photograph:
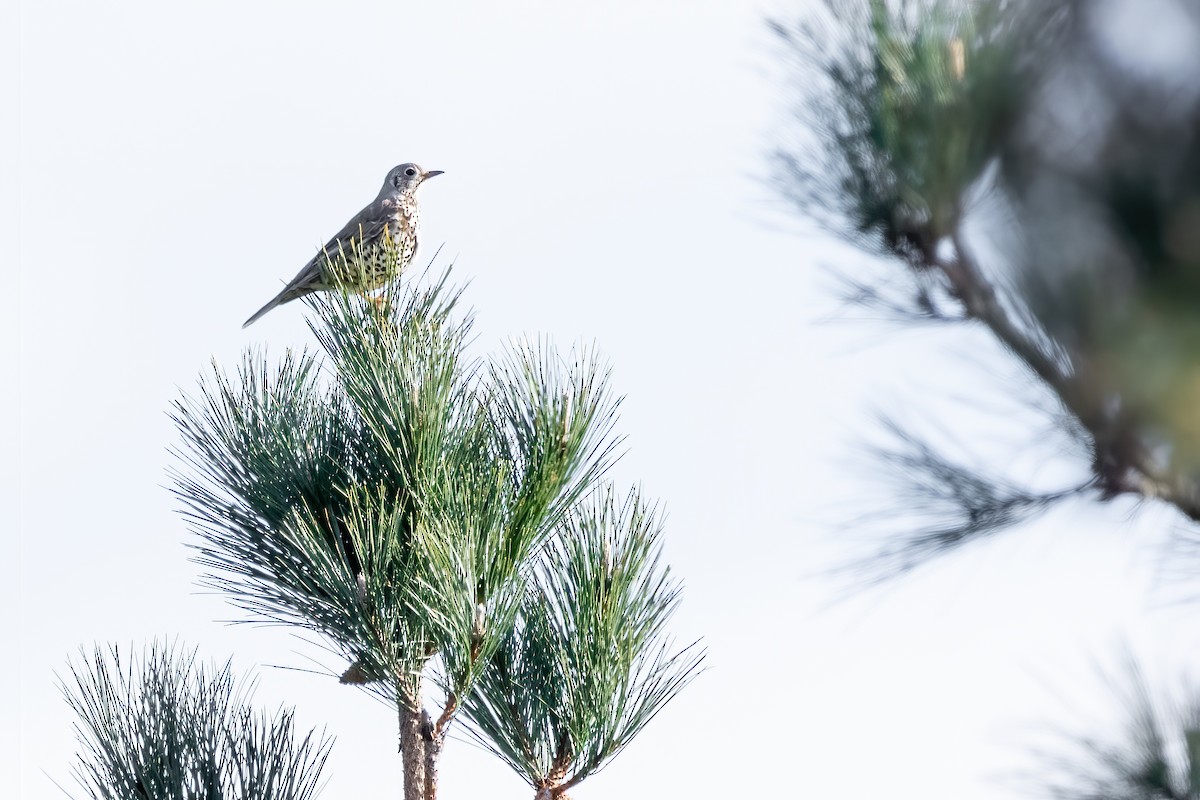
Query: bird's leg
{"type": "Point", "coordinates": [383, 305]}
{"type": "Point", "coordinates": [383, 310]}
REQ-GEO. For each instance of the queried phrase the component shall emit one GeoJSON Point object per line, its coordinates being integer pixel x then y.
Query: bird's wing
{"type": "Point", "coordinates": [366, 226]}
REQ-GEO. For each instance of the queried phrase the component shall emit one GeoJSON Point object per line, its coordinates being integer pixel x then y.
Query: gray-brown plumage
{"type": "Point", "coordinates": [354, 258]}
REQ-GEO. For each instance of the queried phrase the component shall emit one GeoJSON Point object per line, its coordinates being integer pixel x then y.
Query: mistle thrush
{"type": "Point", "coordinates": [355, 259]}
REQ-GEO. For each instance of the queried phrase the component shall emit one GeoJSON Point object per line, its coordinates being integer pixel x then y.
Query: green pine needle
{"type": "Point", "coordinates": [908, 103]}
{"type": "Point", "coordinates": [166, 727]}
{"type": "Point", "coordinates": [588, 664]}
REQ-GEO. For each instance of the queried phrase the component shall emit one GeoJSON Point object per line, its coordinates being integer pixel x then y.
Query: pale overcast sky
{"type": "Point", "coordinates": [603, 184]}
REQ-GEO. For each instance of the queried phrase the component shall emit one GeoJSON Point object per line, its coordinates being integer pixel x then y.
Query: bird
{"type": "Point", "coordinates": [356, 257]}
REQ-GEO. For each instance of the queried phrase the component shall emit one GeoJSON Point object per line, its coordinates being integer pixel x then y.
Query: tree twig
{"type": "Point", "coordinates": [1121, 463]}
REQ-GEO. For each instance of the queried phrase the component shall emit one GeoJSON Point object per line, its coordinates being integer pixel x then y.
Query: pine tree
{"type": "Point", "coordinates": [439, 521]}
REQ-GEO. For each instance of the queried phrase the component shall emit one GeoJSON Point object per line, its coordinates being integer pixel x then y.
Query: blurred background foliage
{"type": "Point", "coordinates": [1032, 168]}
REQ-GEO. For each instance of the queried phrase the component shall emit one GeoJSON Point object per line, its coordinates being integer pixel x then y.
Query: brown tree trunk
{"type": "Point", "coordinates": [412, 750]}
{"type": "Point", "coordinates": [432, 742]}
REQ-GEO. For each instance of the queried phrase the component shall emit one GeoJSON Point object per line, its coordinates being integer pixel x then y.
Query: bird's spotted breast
{"type": "Point", "coordinates": [378, 265]}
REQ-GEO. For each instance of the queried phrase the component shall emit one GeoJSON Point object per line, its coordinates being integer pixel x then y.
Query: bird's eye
{"type": "Point", "coordinates": [410, 172]}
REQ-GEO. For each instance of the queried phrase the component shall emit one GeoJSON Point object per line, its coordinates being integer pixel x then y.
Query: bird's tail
{"type": "Point", "coordinates": [277, 300]}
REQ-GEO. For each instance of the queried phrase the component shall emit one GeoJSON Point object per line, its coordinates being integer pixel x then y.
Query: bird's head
{"type": "Point", "coordinates": [405, 179]}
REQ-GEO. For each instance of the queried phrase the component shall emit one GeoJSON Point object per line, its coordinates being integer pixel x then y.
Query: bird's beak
{"type": "Point", "coordinates": [431, 173]}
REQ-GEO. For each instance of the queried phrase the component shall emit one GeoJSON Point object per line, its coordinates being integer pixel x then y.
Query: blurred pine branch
{"type": "Point", "coordinates": [920, 121]}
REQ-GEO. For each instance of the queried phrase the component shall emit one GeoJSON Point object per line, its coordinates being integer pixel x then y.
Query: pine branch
{"type": "Point", "coordinates": [166, 727]}
{"type": "Point", "coordinates": [1156, 757]}
{"type": "Point", "coordinates": [587, 665]}
{"type": "Point", "coordinates": [1121, 463]}
{"type": "Point", "coordinates": [945, 504]}
{"type": "Point", "coordinates": [915, 107]}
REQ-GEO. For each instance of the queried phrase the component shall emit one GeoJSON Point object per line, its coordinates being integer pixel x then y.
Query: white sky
{"type": "Point", "coordinates": [603, 184]}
